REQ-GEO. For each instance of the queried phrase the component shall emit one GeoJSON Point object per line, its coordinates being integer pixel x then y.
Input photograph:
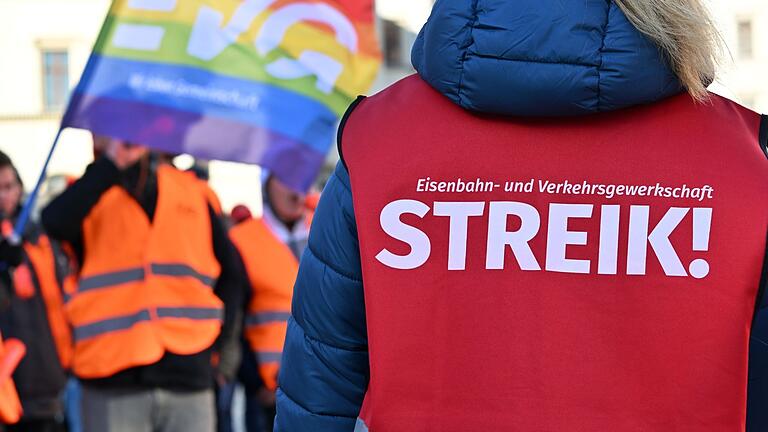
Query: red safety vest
{"type": "Point", "coordinates": [586, 274]}
{"type": "Point", "coordinates": [145, 288]}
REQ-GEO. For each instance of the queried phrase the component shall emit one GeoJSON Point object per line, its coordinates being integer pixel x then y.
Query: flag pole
{"type": "Point", "coordinates": [26, 211]}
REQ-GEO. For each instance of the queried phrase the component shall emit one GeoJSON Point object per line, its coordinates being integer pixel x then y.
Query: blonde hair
{"type": "Point", "coordinates": [686, 33]}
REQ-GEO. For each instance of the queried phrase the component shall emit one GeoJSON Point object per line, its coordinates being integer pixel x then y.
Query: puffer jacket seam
{"type": "Point", "coordinates": [310, 248]}
{"type": "Point", "coordinates": [310, 411]}
{"type": "Point", "coordinates": [465, 48]}
{"type": "Point", "coordinates": [330, 345]}
{"type": "Point", "coordinates": [600, 52]}
{"type": "Point", "coordinates": [520, 60]}
{"type": "Point", "coordinates": [341, 182]}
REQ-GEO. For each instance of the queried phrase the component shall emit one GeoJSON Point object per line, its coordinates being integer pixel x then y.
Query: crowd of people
{"type": "Point", "coordinates": [140, 304]}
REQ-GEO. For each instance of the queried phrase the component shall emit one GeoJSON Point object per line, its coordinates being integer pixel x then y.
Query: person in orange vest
{"type": "Point", "coordinates": [551, 226]}
{"type": "Point", "coordinates": [156, 310]}
{"type": "Point", "coordinates": [270, 248]}
{"type": "Point", "coordinates": [31, 311]}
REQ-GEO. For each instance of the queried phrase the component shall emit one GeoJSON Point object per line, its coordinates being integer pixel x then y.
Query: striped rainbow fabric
{"type": "Point", "coordinates": [255, 81]}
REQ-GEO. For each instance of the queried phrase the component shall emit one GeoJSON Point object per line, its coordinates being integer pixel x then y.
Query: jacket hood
{"type": "Point", "coordinates": [540, 57]}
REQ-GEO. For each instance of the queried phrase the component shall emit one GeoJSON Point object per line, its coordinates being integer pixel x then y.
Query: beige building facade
{"type": "Point", "coordinates": [44, 45]}
{"type": "Point", "coordinates": [744, 72]}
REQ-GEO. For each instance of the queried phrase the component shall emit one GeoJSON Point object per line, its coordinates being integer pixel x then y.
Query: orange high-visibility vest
{"type": "Point", "coordinates": [10, 405]}
{"type": "Point", "coordinates": [146, 287]}
{"type": "Point", "coordinates": [272, 270]}
{"type": "Point", "coordinates": [41, 256]}
{"type": "Point", "coordinates": [210, 194]}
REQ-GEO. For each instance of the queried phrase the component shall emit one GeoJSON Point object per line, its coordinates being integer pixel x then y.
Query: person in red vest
{"type": "Point", "coordinates": [156, 310]}
{"type": "Point", "coordinates": [31, 310]}
{"type": "Point", "coordinates": [553, 226]}
{"type": "Point", "coordinates": [270, 247]}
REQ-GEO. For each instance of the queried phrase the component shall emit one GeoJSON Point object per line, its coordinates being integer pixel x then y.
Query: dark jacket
{"type": "Point", "coordinates": [63, 219]}
{"type": "Point", "coordinates": [757, 398]}
{"type": "Point", "coordinates": [39, 378]}
{"type": "Point", "coordinates": [524, 58]}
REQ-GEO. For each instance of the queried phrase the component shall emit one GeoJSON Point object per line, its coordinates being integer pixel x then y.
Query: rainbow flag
{"type": "Point", "coordinates": [255, 81]}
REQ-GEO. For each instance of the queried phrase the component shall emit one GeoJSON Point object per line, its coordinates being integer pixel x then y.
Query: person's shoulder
{"type": "Point", "coordinates": [33, 232]}
{"type": "Point", "coordinates": [411, 91]}
{"type": "Point", "coordinates": [248, 229]}
{"type": "Point", "coordinates": [378, 121]}
{"type": "Point", "coordinates": [189, 182]}
{"type": "Point", "coordinates": [718, 101]}
{"type": "Point", "coordinates": [185, 177]}
{"type": "Point", "coordinates": [739, 118]}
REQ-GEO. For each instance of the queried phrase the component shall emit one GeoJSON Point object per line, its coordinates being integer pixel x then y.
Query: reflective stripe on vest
{"type": "Point", "coordinates": [181, 270]}
{"type": "Point", "coordinates": [100, 328]}
{"type": "Point", "coordinates": [191, 313]}
{"type": "Point", "coordinates": [110, 325]}
{"type": "Point", "coordinates": [269, 356]}
{"type": "Point", "coordinates": [596, 273]}
{"type": "Point", "coordinates": [272, 269]}
{"type": "Point", "coordinates": [267, 317]}
{"type": "Point", "coordinates": [107, 280]}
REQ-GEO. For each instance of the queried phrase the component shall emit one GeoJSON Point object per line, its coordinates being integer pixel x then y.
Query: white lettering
{"type": "Point", "coordinates": [415, 238]}
{"type": "Point", "coordinates": [459, 214]}
{"type": "Point", "coordinates": [138, 37]}
{"type": "Point", "coordinates": [153, 5]}
{"type": "Point", "coordinates": [658, 239]}
{"type": "Point", "coordinates": [608, 259]}
{"type": "Point", "coordinates": [499, 237]}
{"type": "Point", "coordinates": [527, 220]}
{"type": "Point", "coordinates": [558, 238]}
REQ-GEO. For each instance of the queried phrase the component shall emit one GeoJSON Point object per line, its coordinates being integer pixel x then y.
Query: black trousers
{"type": "Point", "coordinates": [37, 425]}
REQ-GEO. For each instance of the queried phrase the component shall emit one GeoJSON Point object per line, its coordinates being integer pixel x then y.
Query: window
{"type": "Point", "coordinates": [744, 29]}
{"type": "Point", "coordinates": [55, 79]}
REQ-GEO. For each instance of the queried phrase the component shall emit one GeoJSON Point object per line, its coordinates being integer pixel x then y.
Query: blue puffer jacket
{"type": "Point", "coordinates": [523, 57]}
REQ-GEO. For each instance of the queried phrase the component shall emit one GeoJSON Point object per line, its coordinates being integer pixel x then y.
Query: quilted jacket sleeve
{"type": "Point", "coordinates": [324, 372]}
{"type": "Point", "coordinates": [757, 401]}
{"type": "Point", "coordinates": [757, 414]}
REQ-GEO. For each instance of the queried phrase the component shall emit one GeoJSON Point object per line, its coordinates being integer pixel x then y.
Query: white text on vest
{"type": "Point", "coordinates": [559, 237]}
